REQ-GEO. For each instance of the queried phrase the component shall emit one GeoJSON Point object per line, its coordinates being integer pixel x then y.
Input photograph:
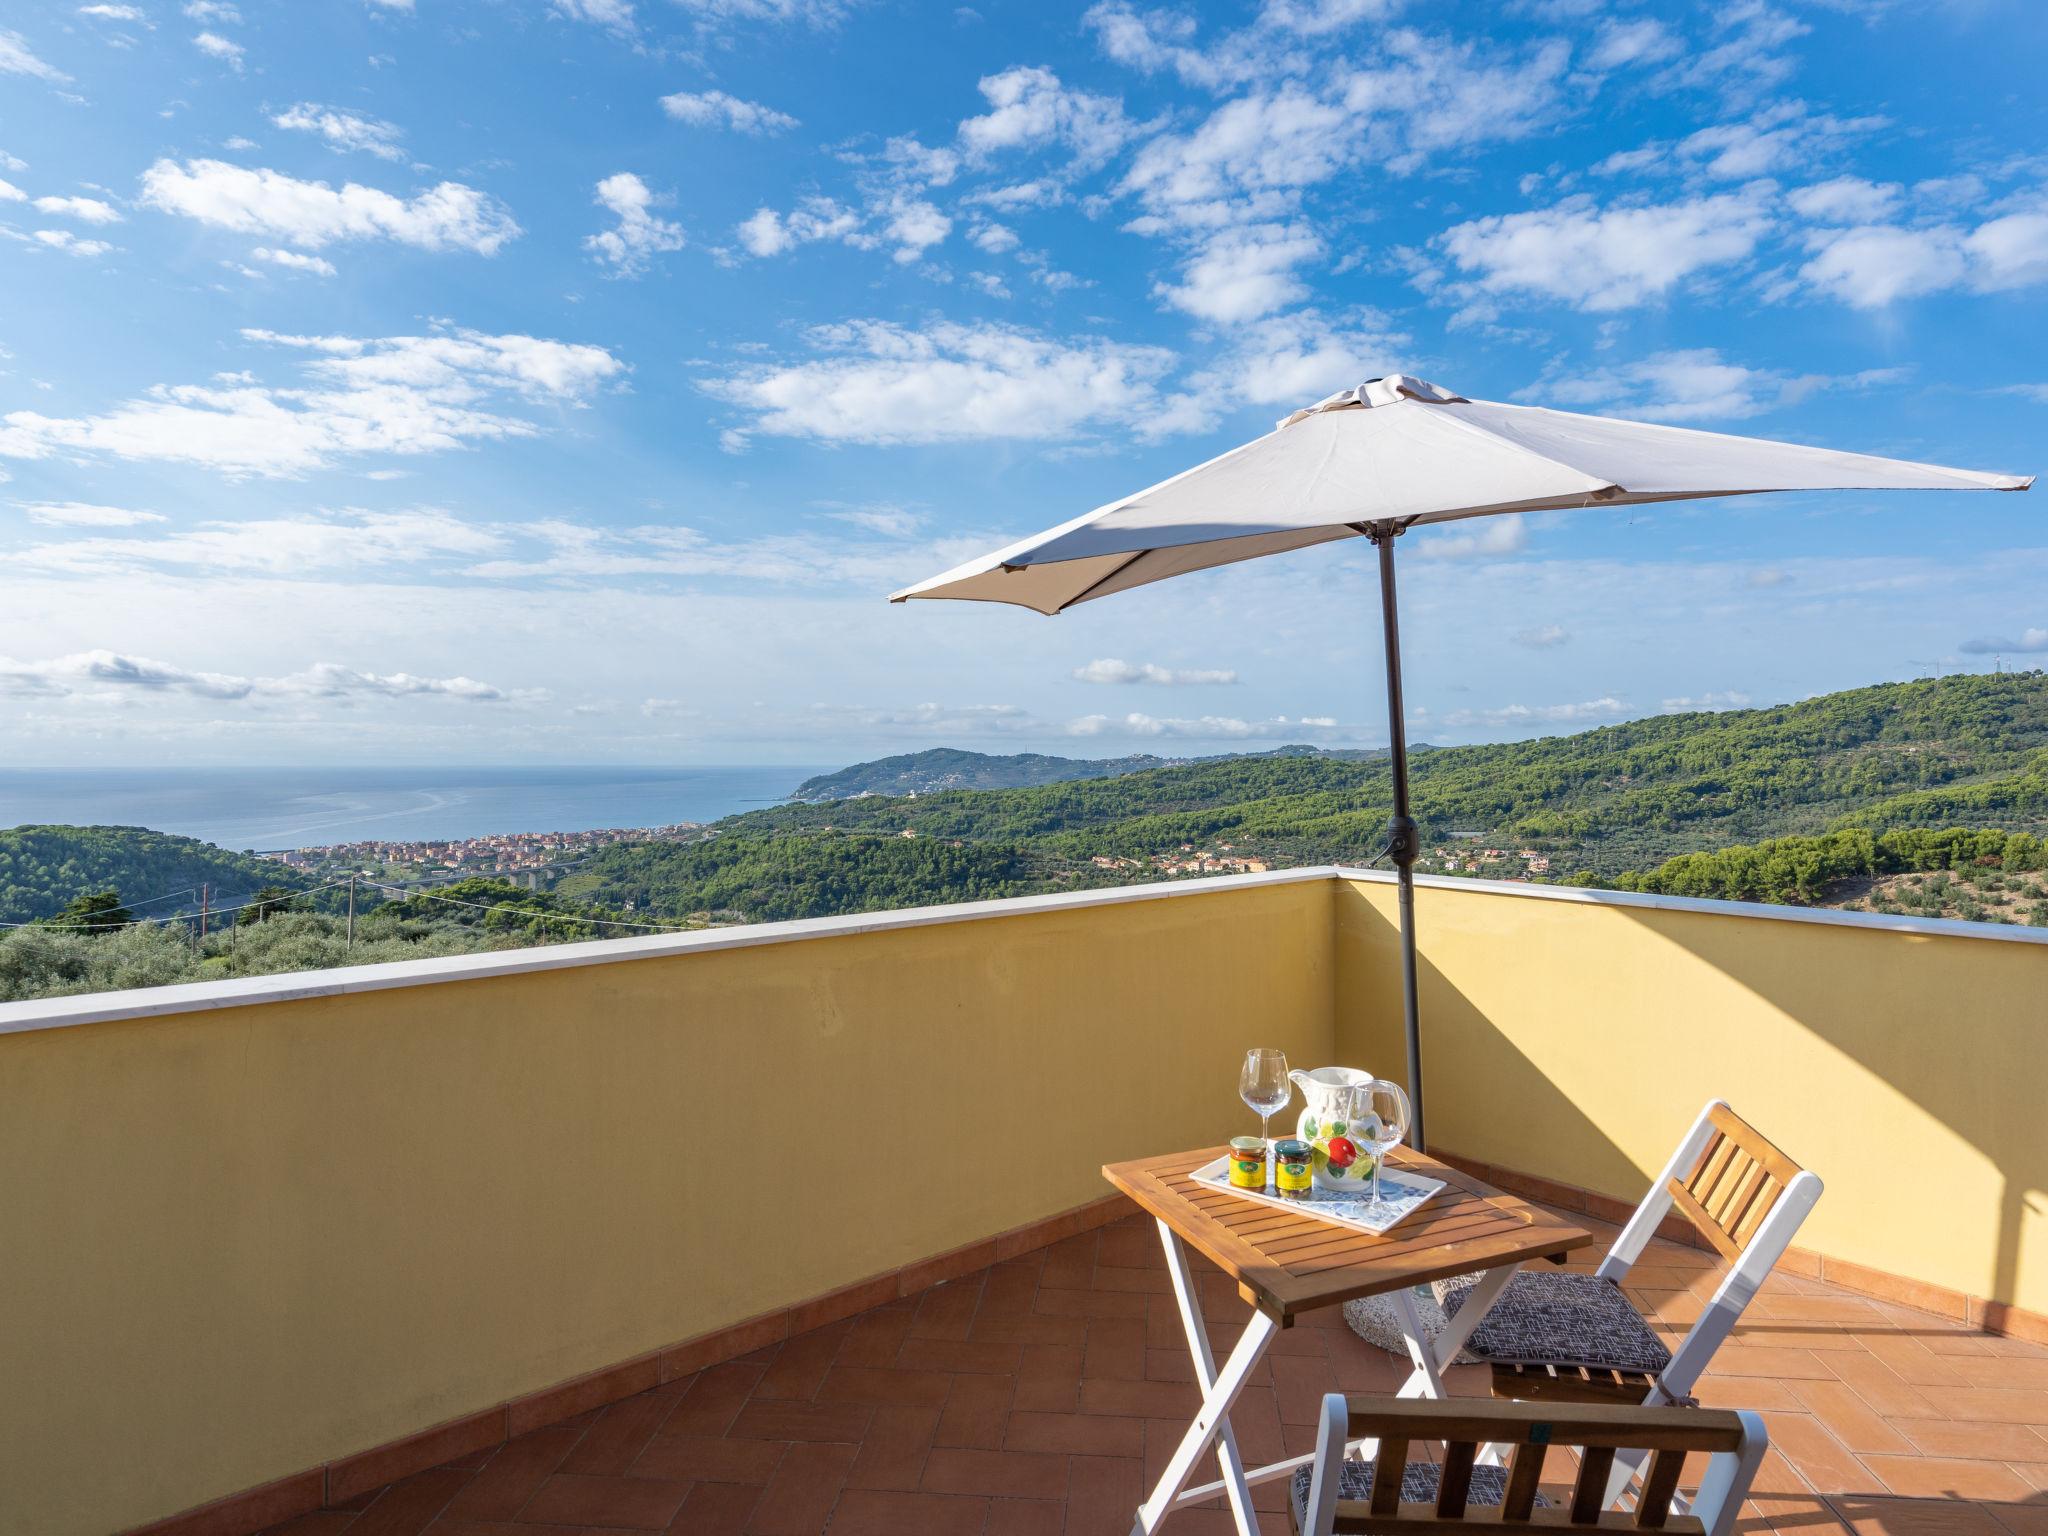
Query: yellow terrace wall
{"type": "Point", "coordinates": [238, 1242]}
{"type": "Point", "coordinates": [1578, 1038]}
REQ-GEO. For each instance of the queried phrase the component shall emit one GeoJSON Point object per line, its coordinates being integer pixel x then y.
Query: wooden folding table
{"type": "Point", "coordinates": [1285, 1264]}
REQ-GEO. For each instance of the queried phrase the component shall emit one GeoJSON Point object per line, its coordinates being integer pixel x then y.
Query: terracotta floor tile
{"type": "Point", "coordinates": [1103, 1496]}
{"type": "Point", "coordinates": [868, 1384]}
{"type": "Point", "coordinates": [946, 1311]}
{"type": "Point", "coordinates": [716, 1509]}
{"type": "Point", "coordinates": [1075, 1434]}
{"type": "Point", "coordinates": [713, 1400]}
{"type": "Point", "coordinates": [875, 1338]}
{"type": "Point", "coordinates": [1049, 1377]}
{"type": "Point", "coordinates": [866, 1512]}
{"type": "Point", "coordinates": [1943, 1477]}
{"type": "Point", "coordinates": [2004, 1405]}
{"type": "Point", "coordinates": [1882, 1387]}
{"type": "Point", "coordinates": [977, 1412]}
{"type": "Point", "coordinates": [1004, 1474]}
{"type": "Point", "coordinates": [1974, 1441]}
{"type": "Point", "coordinates": [612, 1444]}
{"type": "Point", "coordinates": [1140, 1399]}
{"type": "Point", "coordinates": [322, 1522]}
{"type": "Point", "coordinates": [772, 1419]}
{"type": "Point", "coordinates": [711, 1459]}
{"type": "Point", "coordinates": [893, 1452]}
{"type": "Point", "coordinates": [635, 1503]}
{"type": "Point", "coordinates": [407, 1508]}
{"type": "Point", "coordinates": [512, 1476]}
{"type": "Point", "coordinates": [978, 1355]}
{"type": "Point", "coordinates": [2003, 1371]}
{"type": "Point", "coordinates": [802, 1362]}
{"type": "Point", "coordinates": [1116, 1347]}
{"type": "Point", "coordinates": [1848, 1418]}
{"type": "Point", "coordinates": [1820, 1458]}
{"type": "Point", "coordinates": [1025, 1517]}
{"type": "Point", "coordinates": [799, 1498]}
{"type": "Point", "coordinates": [1915, 1517]}
{"type": "Point", "coordinates": [2021, 1519]}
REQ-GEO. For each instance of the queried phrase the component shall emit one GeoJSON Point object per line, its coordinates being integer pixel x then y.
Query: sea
{"type": "Point", "coordinates": [272, 808]}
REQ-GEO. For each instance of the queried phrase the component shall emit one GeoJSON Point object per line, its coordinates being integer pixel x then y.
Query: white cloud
{"type": "Point", "coordinates": [17, 58]}
{"type": "Point", "coordinates": [1543, 637]}
{"type": "Point", "coordinates": [1028, 107]}
{"type": "Point", "coordinates": [639, 235]}
{"type": "Point", "coordinates": [1644, 40]}
{"type": "Point", "coordinates": [10, 193]}
{"type": "Point", "coordinates": [874, 381]}
{"type": "Point", "coordinates": [1694, 384]}
{"type": "Point", "coordinates": [1295, 359]}
{"type": "Point", "coordinates": [392, 395]}
{"type": "Point", "coordinates": [1242, 274]}
{"type": "Point", "coordinates": [1604, 259]}
{"type": "Point", "coordinates": [1875, 265]}
{"type": "Point", "coordinates": [2029, 642]}
{"type": "Point", "coordinates": [312, 214]}
{"type": "Point", "coordinates": [1705, 702]}
{"type": "Point", "coordinates": [993, 238]}
{"type": "Point", "coordinates": [1784, 137]}
{"type": "Point", "coordinates": [104, 671]}
{"type": "Point", "coordinates": [915, 226]}
{"type": "Point", "coordinates": [1205, 727]}
{"type": "Point", "coordinates": [84, 514]}
{"type": "Point", "coordinates": [213, 10]}
{"type": "Point", "coordinates": [715, 108]}
{"type": "Point", "coordinates": [89, 210]}
{"type": "Point", "coordinates": [1481, 538]}
{"type": "Point", "coordinates": [1846, 200]}
{"type": "Point", "coordinates": [70, 244]}
{"type": "Point", "coordinates": [613, 15]}
{"type": "Point", "coordinates": [344, 130]}
{"type": "Point", "coordinates": [1521, 716]}
{"type": "Point", "coordinates": [133, 13]}
{"type": "Point", "coordinates": [293, 261]}
{"type": "Point", "coordinates": [296, 547]}
{"type": "Point", "coordinates": [226, 49]}
{"type": "Point", "coordinates": [890, 521]}
{"type": "Point", "coordinates": [1111, 671]}
{"type": "Point", "coordinates": [769, 233]}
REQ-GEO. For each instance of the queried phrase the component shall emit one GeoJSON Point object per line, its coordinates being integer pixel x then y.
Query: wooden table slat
{"type": "Point", "coordinates": [1287, 1264]}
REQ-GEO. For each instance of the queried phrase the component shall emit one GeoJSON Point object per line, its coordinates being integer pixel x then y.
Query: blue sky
{"type": "Point", "coordinates": [570, 380]}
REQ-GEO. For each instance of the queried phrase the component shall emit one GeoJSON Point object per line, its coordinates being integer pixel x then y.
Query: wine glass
{"type": "Point", "coordinates": [1379, 1119]}
{"type": "Point", "coordinates": [1264, 1087]}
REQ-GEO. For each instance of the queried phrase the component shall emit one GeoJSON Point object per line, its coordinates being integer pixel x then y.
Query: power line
{"type": "Point", "coordinates": [176, 917]}
{"type": "Point", "coordinates": [530, 912]}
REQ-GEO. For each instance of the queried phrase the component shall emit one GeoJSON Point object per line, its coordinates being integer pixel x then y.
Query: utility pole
{"type": "Point", "coordinates": [202, 914]}
{"type": "Point", "coordinates": [351, 909]}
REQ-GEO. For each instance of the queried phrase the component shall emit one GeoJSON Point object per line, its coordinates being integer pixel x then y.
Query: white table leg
{"type": "Point", "coordinates": [1433, 1357]}
{"type": "Point", "coordinates": [1219, 1391]}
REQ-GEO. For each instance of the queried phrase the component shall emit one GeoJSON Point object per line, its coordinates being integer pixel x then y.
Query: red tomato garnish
{"type": "Point", "coordinates": [1342, 1153]}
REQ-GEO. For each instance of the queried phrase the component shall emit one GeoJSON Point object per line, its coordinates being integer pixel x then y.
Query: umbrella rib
{"type": "Point", "coordinates": [1095, 586]}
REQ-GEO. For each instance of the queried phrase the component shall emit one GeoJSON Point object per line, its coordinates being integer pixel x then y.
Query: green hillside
{"type": "Point", "coordinates": [42, 868]}
{"type": "Point", "coordinates": [1969, 750]}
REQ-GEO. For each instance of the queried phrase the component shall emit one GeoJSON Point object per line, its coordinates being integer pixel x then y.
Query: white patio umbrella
{"type": "Point", "coordinates": [1373, 462]}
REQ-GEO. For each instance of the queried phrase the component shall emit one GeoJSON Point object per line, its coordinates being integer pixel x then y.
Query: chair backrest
{"type": "Point", "coordinates": [1735, 1182]}
{"type": "Point", "coordinates": [1746, 1198]}
{"type": "Point", "coordinates": [1733, 1442]}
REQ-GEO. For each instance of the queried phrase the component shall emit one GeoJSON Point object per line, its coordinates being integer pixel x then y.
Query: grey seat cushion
{"type": "Point", "coordinates": [1489, 1485]}
{"type": "Point", "coordinates": [1561, 1319]}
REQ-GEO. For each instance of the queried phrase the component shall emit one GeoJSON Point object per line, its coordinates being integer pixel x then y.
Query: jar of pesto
{"type": "Point", "coordinates": [1293, 1168]}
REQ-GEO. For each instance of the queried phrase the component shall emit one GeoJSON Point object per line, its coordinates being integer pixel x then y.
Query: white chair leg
{"type": "Point", "coordinates": [1325, 1481]}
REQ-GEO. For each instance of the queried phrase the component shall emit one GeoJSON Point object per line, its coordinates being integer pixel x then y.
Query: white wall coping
{"type": "Point", "coordinates": [291, 986]}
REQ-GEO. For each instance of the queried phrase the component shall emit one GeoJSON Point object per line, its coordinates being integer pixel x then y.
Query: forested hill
{"type": "Point", "coordinates": [1969, 750]}
{"type": "Point", "coordinates": [941, 768]}
{"type": "Point", "coordinates": [42, 868]}
{"type": "Point", "coordinates": [944, 768]}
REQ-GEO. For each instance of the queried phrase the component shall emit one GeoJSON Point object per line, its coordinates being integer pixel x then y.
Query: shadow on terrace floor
{"type": "Point", "coordinates": [1040, 1397]}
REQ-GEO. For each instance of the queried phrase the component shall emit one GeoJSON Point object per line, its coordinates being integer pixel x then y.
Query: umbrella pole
{"type": "Point", "coordinates": [1401, 825]}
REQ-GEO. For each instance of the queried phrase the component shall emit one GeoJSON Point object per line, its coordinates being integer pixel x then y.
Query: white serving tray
{"type": "Point", "coordinates": [1400, 1194]}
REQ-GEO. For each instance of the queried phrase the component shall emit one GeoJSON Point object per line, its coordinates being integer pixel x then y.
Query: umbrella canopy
{"type": "Point", "coordinates": [1373, 462]}
{"type": "Point", "coordinates": [1404, 452]}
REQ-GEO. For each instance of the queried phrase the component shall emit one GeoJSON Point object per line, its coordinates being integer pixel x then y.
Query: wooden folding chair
{"type": "Point", "coordinates": [1748, 1199]}
{"type": "Point", "coordinates": [1333, 1495]}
